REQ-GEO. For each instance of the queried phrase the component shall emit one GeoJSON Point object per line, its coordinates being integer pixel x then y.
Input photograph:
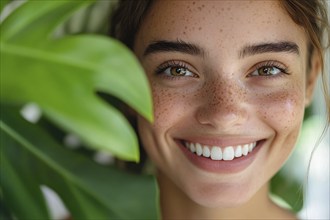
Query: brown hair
{"type": "Point", "coordinates": [312, 16]}
{"type": "Point", "coordinates": [127, 18]}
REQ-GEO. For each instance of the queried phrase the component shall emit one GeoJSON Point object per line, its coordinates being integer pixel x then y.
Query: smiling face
{"type": "Point", "coordinates": [229, 87]}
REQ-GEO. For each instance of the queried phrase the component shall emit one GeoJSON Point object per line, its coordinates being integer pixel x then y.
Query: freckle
{"type": "Point", "coordinates": [221, 30]}
{"type": "Point", "coordinates": [265, 116]}
{"type": "Point", "coordinates": [228, 8]}
{"type": "Point", "coordinates": [199, 8]}
{"type": "Point", "coordinates": [200, 28]}
{"type": "Point", "coordinates": [194, 3]}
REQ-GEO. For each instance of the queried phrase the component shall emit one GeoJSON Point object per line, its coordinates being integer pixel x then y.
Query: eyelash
{"type": "Point", "coordinates": [271, 64]}
{"type": "Point", "coordinates": [160, 70]}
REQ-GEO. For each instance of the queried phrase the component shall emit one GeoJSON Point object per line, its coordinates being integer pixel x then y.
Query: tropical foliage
{"type": "Point", "coordinates": [62, 74]}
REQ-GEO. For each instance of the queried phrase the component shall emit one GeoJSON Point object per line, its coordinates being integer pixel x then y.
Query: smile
{"type": "Point", "coordinates": [221, 159]}
{"type": "Point", "coordinates": [220, 153]}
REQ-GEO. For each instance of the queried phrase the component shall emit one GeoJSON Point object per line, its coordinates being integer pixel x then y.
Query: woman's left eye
{"type": "Point", "coordinates": [268, 70]}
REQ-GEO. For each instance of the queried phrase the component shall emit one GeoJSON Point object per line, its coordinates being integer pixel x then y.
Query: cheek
{"type": "Point", "coordinates": [283, 110]}
{"type": "Point", "coordinates": [169, 106]}
{"type": "Point", "coordinates": [168, 112]}
{"type": "Point", "coordinates": [162, 103]}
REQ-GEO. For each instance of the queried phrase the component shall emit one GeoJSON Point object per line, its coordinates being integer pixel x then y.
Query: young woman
{"type": "Point", "coordinates": [230, 82]}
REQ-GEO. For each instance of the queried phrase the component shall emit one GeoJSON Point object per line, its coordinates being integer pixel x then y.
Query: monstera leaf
{"type": "Point", "coordinates": [90, 191]}
{"type": "Point", "coordinates": [62, 76]}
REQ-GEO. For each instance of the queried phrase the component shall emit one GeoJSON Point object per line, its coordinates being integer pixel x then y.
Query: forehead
{"type": "Point", "coordinates": [228, 23]}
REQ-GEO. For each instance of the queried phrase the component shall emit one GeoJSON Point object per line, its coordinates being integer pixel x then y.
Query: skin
{"type": "Point", "coordinates": [223, 101]}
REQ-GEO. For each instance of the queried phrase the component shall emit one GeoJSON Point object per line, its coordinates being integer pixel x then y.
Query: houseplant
{"type": "Point", "coordinates": [61, 74]}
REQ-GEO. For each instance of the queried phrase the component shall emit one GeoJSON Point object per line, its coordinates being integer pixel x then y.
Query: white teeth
{"type": "Point", "coordinates": [218, 153]}
{"type": "Point", "coordinates": [192, 148]}
{"type": "Point", "coordinates": [228, 153]}
{"type": "Point", "coordinates": [250, 147]}
{"type": "Point", "coordinates": [245, 149]}
{"type": "Point", "coordinates": [206, 151]}
{"type": "Point", "coordinates": [238, 151]}
{"type": "Point", "coordinates": [199, 149]}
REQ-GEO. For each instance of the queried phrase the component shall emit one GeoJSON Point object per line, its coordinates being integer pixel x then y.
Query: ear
{"type": "Point", "coordinates": [311, 77]}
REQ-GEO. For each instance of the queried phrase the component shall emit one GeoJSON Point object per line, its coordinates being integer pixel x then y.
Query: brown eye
{"type": "Point", "coordinates": [267, 71]}
{"type": "Point", "coordinates": [177, 71]}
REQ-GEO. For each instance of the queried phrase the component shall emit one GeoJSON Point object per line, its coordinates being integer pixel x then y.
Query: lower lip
{"type": "Point", "coordinates": [222, 166]}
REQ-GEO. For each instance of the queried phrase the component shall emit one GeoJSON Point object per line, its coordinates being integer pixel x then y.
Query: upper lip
{"type": "Point", "coordinates": [227, 141]}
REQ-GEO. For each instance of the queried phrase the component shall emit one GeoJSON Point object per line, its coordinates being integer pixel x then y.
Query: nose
{"type": "Point", "coordinates": [223, 106]}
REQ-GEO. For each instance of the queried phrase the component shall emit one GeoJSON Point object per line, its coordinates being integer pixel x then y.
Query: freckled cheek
{"type": "Point", "coordinates": [169, 106]}
{"type": "Point", "coordinates": [282, 110]}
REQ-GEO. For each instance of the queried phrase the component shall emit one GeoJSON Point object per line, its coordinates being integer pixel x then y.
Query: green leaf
{"type": "Point", "coordinates": [89, 190]}
{"type": "Point", "coordinates": [3, 3]}
{"type": "Point", "coordinates": [20, 187]}
{"type": "Point", "coordinates": [289, 189]}
{"type": "Point", "coordinates": [34, 21]}
{"type": "Point", "coordinates": [62, 76]}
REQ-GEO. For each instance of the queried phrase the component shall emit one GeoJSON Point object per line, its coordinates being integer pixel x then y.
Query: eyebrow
{"type": "Point", "coordinates": [192, 49]}
{"type": "Point", "coordinates": [173, 46]}
{"type": "Point", "coordinates": [285, 46]}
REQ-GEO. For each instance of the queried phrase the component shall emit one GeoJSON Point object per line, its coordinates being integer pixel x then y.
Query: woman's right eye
{"type": "Point", "coordinates": [178, 71]}
{"type": "Point", "coordinates": [175, 69]}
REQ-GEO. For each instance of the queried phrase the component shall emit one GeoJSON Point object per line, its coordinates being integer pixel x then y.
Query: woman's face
{"type": "Point", "coordinates": [229, 88]}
